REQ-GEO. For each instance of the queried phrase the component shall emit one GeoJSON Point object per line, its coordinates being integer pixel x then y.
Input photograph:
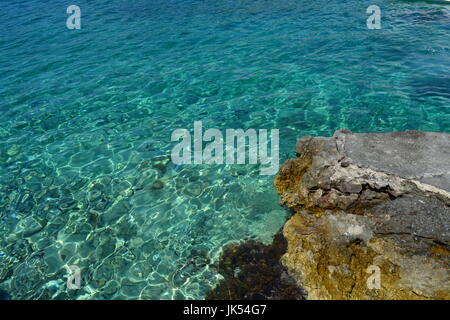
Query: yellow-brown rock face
{"type": "Point", "coordinates": [371, 215]}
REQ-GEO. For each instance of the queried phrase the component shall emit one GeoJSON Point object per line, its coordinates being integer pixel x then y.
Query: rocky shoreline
{"type": "Point", "coordinates": [371, 215]}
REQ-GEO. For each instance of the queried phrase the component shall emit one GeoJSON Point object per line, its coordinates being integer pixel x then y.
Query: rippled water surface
{"type": "Point", "coordinates": [87, 116]}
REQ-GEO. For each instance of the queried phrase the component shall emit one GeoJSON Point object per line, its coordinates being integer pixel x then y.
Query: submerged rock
{"type": "Point", "coordinates": [371, 215]}
{"type": "Point", "coordinates": [29, 226]}
{"type": "Point", "coordinates": [252, 270]}
{"type": "Point", "coordinates": [4, 295]}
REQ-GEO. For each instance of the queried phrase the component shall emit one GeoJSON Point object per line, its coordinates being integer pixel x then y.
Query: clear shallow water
{"type": "Point", "coordinates": [86, 120]}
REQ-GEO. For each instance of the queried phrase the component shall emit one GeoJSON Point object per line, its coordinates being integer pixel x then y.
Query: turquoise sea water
{"type": "Point", "coordinates": [87, 116]}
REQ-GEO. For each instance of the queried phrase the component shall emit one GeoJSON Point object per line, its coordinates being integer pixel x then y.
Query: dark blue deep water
{"type": "Point", "coordinates": [87, 116]}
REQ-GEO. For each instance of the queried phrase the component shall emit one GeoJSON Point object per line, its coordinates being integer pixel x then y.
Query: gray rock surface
{"type": "Point", "coordinates": [423, 156]}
